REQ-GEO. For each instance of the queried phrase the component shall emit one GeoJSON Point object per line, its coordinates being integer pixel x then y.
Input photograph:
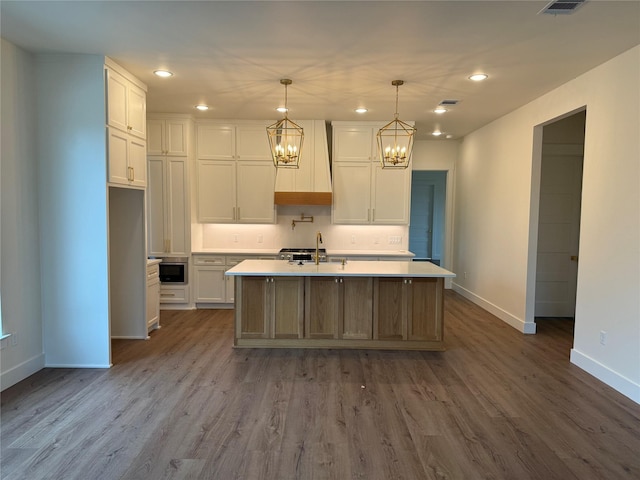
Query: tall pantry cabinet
{"type": "Point", "coordinates": [75, 218]}
{"type": "Point", "coordinates": [169, 225]}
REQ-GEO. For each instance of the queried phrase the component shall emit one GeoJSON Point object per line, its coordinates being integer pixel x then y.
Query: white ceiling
{"type": "Point", "coordinates": [340, 55]}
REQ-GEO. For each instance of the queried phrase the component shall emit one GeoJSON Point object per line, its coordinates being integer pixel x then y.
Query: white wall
{"type": "Point", "coordinates": [496, 217]}
{"type": "Point", "coordinates": [22, 354]}
{"type": "Point", "coordinates": [72, 189]}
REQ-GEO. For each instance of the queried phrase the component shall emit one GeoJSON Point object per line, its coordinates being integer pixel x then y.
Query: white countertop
{"type": "Point", "coordinates": [330, 252]}
{"type": "Point", "coordinates": [330, 269]}
{"type": "Point", "coordinates": [153, 261]}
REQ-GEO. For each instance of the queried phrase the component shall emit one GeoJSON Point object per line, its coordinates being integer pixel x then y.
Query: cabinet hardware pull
{"type": "Point", "coordinates": [167, 294]}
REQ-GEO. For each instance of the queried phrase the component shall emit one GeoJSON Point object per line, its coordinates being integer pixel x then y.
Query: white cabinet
{"type": "Point", "coordinates": [235, 174]}
{"type": "Point", "coordinates": [168, 136]}
{"type": "Point", "coordinates": [169, 226]}
{"type": "Point", "coordinates": [153, 297]}
{"type": "Point", "coordinates": [363, 192]}
{"type": "Point", "coordinates": [211, 283]}
{"type": "Point", "coordinates": [174, 294]}
{"type": "Point", "coordinates": [126, 120]}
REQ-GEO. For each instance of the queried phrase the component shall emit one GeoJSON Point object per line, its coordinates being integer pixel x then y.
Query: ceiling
{"type": "Point", "coordinates": [340, 55]}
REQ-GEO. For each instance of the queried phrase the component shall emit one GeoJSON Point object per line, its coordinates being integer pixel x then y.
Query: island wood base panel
{"type": "Point", "coordinates": [383, 313]}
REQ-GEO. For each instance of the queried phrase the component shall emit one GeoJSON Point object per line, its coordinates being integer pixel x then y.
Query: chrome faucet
{"type": "Point", "coordinates": [318, 242]}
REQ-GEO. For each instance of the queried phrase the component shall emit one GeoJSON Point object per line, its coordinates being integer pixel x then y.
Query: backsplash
{"type": "Point", "coordinates": [336, 237]}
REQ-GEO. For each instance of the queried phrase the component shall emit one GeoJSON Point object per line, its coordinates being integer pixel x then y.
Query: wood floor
{"type": "Point", "coordinates": [185, 405]}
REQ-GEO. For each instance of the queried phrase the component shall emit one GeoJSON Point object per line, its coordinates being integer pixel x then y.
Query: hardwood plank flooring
{"type": "Point", "coordinates": [186, 405]}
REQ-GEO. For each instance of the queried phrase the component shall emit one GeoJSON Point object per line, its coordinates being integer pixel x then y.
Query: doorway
{"type": "Point", "coordinates": [559, 217]}
{"type": "Point", "coordinates": [427, 219]}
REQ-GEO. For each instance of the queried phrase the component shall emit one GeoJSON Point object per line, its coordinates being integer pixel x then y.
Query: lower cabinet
{"type": "Point", "coordinates": [270, 307]}
{"type": "Point", "coordinates": [174, 294]}
{"type": "Point", "coordinates": [356, 312]}
{"type": "Point", "coordinates": [153, 297]}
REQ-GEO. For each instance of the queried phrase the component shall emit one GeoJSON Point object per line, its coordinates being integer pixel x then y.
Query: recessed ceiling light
{"type": "Point", "coordinates": [449, 136]}
{"type": "Point", "coordinates": [163, 73]}
{"type": "Point", "coordinates": [202, 108]}
{"type": "Point", "coordinates": [478, 77]}
{"type": "Point", "coordinates": [440, 110]}
{"type": "Point", "coordinates": [282, 109]}
{"type": "Point", "coordinates": [436, 133]}
{"type": "Point", "coordinates": [361, 110]}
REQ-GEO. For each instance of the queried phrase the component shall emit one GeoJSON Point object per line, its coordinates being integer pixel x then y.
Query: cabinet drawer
{"type": "Point", "coordinates": [209, 260]}
{"type": "Point", "coordinates": [174, 294]}
{"type": "Point", "coordinates": [153, 272]}
{"type": "Point", "coordinates": [231, 261]}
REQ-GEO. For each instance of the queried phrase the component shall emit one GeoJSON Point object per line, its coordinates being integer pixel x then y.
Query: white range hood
{"type": "Point", "coordinates": [311, 183]}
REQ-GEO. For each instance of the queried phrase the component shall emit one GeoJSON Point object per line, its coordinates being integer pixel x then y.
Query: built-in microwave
{"type": "Point", "coordinates": [174, 270]}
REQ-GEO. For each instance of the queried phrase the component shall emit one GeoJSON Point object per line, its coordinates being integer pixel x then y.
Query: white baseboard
{"type": "Point", "coordinates": [515, 322]}
{"type": "Point", "coordinates": [21, 371]}
{"type": "Point", "coordinates": [129, 337]}
{"type": "Point", "coordinates": [76, 365]}
{"type": "Point", "coordinates": [603, 373]}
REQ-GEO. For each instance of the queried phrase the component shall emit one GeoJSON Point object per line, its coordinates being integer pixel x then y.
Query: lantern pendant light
{"type": "Point", "coordinates": [395, 139]}
{"type": "Point", "coordinates": [285, 137]}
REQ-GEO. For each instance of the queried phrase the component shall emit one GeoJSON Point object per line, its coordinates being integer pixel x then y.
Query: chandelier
{"type": "Point", "coordinates": [395, 139]}
{"type": "Point", "coordinates": [285, 137]}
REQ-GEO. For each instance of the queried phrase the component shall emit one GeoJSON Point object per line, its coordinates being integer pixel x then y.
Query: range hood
{"type": "Point", "coordinates": [311, 183]}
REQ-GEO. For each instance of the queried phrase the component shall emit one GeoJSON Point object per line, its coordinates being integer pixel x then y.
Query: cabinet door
{"type": "Point", "coordinates": [153, 304]}
{"type": "Point", "coordinates": [353, 144]}
{"type": "Point", "coordinates": [217, 191]}
{"type": "Point", "coordinates": [252, 309]}
{"type": "Point", "coordinates": [322, 307]}
{"type": "Point", "coordinates": [216, 142]}
{"type": "Point", "coordinates": [117, 100]}
{"type": "Point", "coordinates": [156, 198]}
{"type": "Point", "coordinates": [391, 191]}
{"type": "Point", "coordinates": [155, 137]}
{"type": "Point", "coordinates": [176, 137]}
{"type": "Point", "coordinates": [255, 192]}
{"type": "Point", "coordinates": [177, 207]}
{"type": "Point", "coordinates": [425, 303]}
{"type": "Point", "coordinates": [357, 312]}
{"type": "Point", "coordinates": [137, 156]}
{"type": "Point", "coordinates": [252, 143]}
{"type": "Point", "coordinates": [351, 193]}
{"type": "Point", "coordinates": [287, 307]}
{"type": "Point", "coordinates": [118, 164]}
{"type": "Point", "coordinates": [389, 309]}
{"type": "Point", "coordinates": [210, 284]}
{"type": "Point", "coordinates": [137, 111]}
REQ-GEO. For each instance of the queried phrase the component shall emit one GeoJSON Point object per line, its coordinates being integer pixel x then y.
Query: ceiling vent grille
{"type": "Point", "coordinates": [449, 102]}
{"type": "Point", "coordinates": [562, 7]}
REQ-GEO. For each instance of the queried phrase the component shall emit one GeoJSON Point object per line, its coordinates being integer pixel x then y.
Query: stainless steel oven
{"type": "Point", "coordinates": [174, 270]}
{"type": "Point", "coordinates": [304, 255]}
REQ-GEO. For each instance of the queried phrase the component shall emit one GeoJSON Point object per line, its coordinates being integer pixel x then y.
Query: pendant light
{"type": "Point", "coordinates": [285, 137]}
{"type": "Point", "coordinates": [395, 139]}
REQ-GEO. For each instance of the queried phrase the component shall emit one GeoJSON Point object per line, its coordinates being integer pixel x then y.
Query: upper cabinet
{"type": "Point", "coordinates": [363, 192]}
{"type": "Point", "coordinates": [235, 173]}
{"type": "Point", "coordinates": [127, 131]}
{"type": "Point", "coordinates": [168, 136]}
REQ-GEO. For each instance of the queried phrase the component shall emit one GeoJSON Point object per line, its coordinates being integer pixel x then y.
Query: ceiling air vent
{"type": "Point", "coordinates": [449, 102]}
{"type": "Point", "coordinates": [562, 7]}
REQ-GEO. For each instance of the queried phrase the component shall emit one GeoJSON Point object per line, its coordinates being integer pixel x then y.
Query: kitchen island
{"type": "Point", "coordinates": [359, 304]}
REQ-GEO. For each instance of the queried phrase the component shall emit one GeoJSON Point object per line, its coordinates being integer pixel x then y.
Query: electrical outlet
{"type": "Point", "coordinates": [465, 274]}
{"type": "Point", "coordinates": [260, 238]}
{"type": "Point", "coordinates": [353, 239]}
{"type": "Point", "coordinates": [603, 337]}
{"type": "Point", "coordinates": [14, 339]}
{"type": "Point", "coordinates": [376, 240]}
{"type": "Point", "coordinates": [235, 237]}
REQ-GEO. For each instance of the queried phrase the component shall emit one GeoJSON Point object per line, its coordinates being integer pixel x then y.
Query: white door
{"type": "Point", "coordinates": [558, 235]}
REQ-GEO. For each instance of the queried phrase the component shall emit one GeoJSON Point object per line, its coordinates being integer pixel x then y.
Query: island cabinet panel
{"type": "Point", "coordinates": [270, 307]}
{"type": "Point", "coordinates": [287, 307]}
{"type": "Point", "coordinates": [322, 307]}
{"type": "Point", "coordinates": [390, 309]}
{"type": "Point", "coordinates": [254, 305]}
{"type": "Point", "coordinates": [425, 304]}
{"type": "Point", "coordinates": [356, 318]}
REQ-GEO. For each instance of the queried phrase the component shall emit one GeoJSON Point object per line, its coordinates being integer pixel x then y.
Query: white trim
{"type": "Point", "coordinates": [21, 371]}
{"type": "Point", "coordinates": [75, 365]}
{"type": "Point", "coordinates": [129, 337]}
{"type": "Point", "coordinates": [515, 322]}
{"type": "Point", "coordinates": [603, 373]}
